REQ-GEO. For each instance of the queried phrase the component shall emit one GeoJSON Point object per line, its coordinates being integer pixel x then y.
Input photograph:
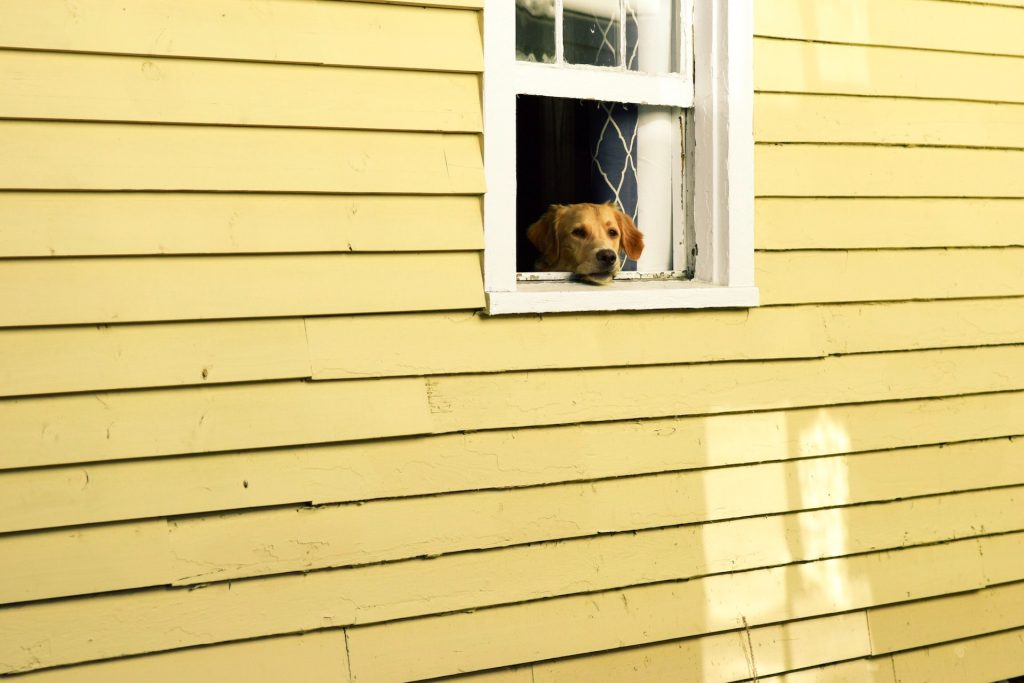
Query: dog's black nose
{"type": "Point", "coordinates": [606, 257]}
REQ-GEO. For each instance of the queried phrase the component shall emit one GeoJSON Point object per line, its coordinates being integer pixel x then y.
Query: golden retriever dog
{"type": "Point", "coordinates": [585, 239]}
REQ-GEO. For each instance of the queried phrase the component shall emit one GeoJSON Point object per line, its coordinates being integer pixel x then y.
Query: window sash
{"type": "Point", "coordinates": [602, 83]}
{"type": "Point", "coordinates": [717, 44]}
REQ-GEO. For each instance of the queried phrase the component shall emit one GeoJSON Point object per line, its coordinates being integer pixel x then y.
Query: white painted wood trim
{"type": "Point", "coordinates": [549, 297]}
{"type": "Point", "coordinates": [686, 39]}
{"type": "Point", "coordinates": [559, 276]}
{"type": "Point", "coordinates": [499, 147]}
{"type": "Point", "coordinates": [723, 173]}
{"type": "Point", "coordinates": [723, 131]}
{"type": "Point", "coordinates": [597, 83]}
{"type": "Point", "coordinates": [678, 193]}
{"type": "Point", "coordinates": [623, 18]}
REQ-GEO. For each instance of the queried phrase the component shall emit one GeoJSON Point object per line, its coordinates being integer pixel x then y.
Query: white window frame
{"type": "Point", "coordinates": [722, 165]}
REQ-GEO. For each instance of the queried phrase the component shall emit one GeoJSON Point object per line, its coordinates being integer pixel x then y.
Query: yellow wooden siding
{"type": "Point", "coordinates": [933, 324]}
{"type": "Point", "coordinates": [117, 425]}
{"type": "Point", "coordinates": [794, 277]}
{"type": "Point", "coordinates": [715, 495]}
{"type": "Point", "coordinates": [71, 359]}
{"type": "Point", "coordinates": [311, 658]}
{"type": "Point", "coordinates": [465, 342]}
{"type": "Point", "coordinates": [1008, 3]}
{"type": "Point", "coordinates": [522, 674]}
{"type": "Point", "coordinates": [230, 546]}
{"type": "Point", "coordinates": [73, 291]}
{"type": "Point", "coordinates": [294, 31]}
{"type": "Point", "coordinates": [730, 656]}
{"type": "Point", "coordinates": [191, 551]}
{"type": "Point", "coordinates": [790, 118]}
{"type": "Point", "coordinates": [88, 427]}
{"type": "Point", "coordinates": [902, 627]}
{"type": "Point", "coordinates": [395, 345]}
{"type": "Point", "coordinates": [89, 493]}
{"type": "Point", "coordinates": [63, 561]}
{"type": "Point", "coordinates": [64, 631]}
{"type": "Point", "coordinates": [947, 26]}
{"type": "Point", "coordinates": [868, 171]}
{"type": "Point", "coordinates": [92, 156]}
{"type": "Point", "coordinates": [43, 85]}
{"type": "Point", "coordinates": [835, 69]}
{"type": "Point", "coordinates": [981, 660]}
{"type": "Point", "coordinates": [815, 223]}
{"type": "Point", "coordinates": [90, 224]}
{"type": "Point", "coordinates": [509, 399]}
{"type": "Point", "coordinates": [421, 648]}
{"type": "Point", "coordinates": [859, 670]}
{"type": "Point", "coordinates": [1002, 558]}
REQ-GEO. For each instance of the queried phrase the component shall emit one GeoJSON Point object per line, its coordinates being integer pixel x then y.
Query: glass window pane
{"type": "Point", "coordinates": [652, 29]}
{"type": "Point", "coordinates": [591, 32]}
{"type": "Point", "coordinates": [535, 30]}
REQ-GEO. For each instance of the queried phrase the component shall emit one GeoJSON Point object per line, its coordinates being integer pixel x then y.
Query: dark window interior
{"type": "Point", "coordinates": [553, 162]}
{"type": "Point", "coordinates": [571, 151]}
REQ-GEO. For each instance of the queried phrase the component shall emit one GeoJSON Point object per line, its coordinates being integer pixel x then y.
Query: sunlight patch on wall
{"type": "Point", "coordinates": [853, 69]}
{"type": "Point", "coordinates": [746, 437]}
{"type": "Point", "coordinates": [823, 483]}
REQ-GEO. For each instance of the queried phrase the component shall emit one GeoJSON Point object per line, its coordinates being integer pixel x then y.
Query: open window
{"type": "Point", "coordinates": [643, 104]}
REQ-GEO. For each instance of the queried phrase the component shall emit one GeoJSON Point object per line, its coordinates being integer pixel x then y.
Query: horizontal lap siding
{"type": "Point", "coordinates": [303, 31]}
{"type": "Point", "coordinates": [102, 224]}
{"type": "Point", "coordinates": [311, 657]}
{"type": "Point", "coordinates": [234, 546]}
{"type": "Point", "coordinates": [516, 577]}
{"type": "Point", "coordinates": [987, 658]}
{"type": "Point", "coordinates": [206, 452]}
{"type": "Point", "coordinates": [133, 489]}
{"type": "Point", "coordinates": [46, 85]}
{"type": "Point", "coordinates": [853, 171]}
{"type": "Point", "coordinates": [786, 117]}
{"type": "Point", "coordinates": [89, 156]}
{"type": "Point", "coordinates": [87, 358]}
{"type": "Point", "coordinates": [896, 23]}
{"type": "Point", "coordinates": [887, 130]}
{"type": "Point", "coordinates": [787, 223]}
{"type": "Point", "coordinates": [797, 66]}
{"type": "Point", "coordinates": [119, 425]}
{"type": "Point", "coordinates": [725, 656]}
{"type": "Point", "coordinates": [77, 291]}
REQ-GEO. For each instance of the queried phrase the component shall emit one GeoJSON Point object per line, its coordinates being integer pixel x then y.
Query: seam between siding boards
{"type": "Point", "coordinates": [922, 98]}
{"type": "Point", "coordinates": [888, 46]}
{"type": "Point", "coordinates": [978, 589]}
{"type": "Point", "coordinates": [206, 58]}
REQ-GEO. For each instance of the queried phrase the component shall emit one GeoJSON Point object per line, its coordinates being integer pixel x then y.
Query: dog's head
{"type": "Point", "coordinates": [585, 239]}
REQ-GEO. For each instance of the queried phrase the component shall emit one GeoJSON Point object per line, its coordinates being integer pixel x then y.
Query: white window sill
{"type": "Point", "coordinates": [564, 297]}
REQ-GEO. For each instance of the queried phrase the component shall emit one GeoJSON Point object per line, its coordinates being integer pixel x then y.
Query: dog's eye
{"type": "Point", "coordinates": [579, 232]}
{"type": "Point", "coordinates": [613, 233]}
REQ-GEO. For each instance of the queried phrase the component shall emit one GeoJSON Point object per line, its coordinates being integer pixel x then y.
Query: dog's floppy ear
{"type": "Point", "coordinates": [544, 235]}
{"type": "Point", "coordinates": [632, 239]}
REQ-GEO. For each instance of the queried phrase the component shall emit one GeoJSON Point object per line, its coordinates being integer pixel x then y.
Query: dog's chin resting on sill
{"type": "Point", "coordinates": [585, 239]}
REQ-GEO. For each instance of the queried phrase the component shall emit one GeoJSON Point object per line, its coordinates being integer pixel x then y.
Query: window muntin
{"type": "Point", "coordinates": [638, 35]}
